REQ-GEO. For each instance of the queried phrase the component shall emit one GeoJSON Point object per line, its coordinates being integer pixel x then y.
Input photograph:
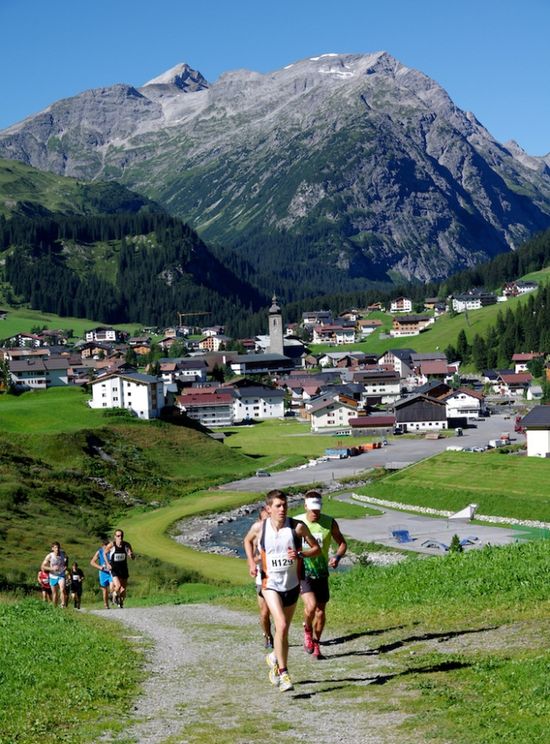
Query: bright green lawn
{"type": "Point", "coordinates": [148, 534]}
{"type": "Point", "coordinates": [48, 411]}
{"type": "Point", "coordinates": [283, 443]}
{"type": "Point", "coordinates": [22, 320]}
{"type": "Point", "coordinates": [503, 485]}
{"type": "Point", "coordinates": [63, 677]}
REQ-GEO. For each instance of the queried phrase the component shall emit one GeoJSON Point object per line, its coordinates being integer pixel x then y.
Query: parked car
{"type": "Point", "coordinates": [262, 474]}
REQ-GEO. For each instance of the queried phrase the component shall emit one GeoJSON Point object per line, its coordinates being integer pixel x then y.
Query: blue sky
{"type": "Point", "coordinates": [492, 57]}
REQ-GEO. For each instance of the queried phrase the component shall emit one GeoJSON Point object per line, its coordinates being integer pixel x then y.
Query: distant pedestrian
{"type": "Point", "coordinates": [253, 554]}
{"type": "Point", "coordinates": [99, 561]}
{"type": "Point", "coordinates": [43, 579]}
{"type": "Point", "coordinates": [118, 551]}
{"type": "Point", "coordinates": [77, 577]}
{"type": "Point", "coordinates": [55, 564]}
{"type": "Point", "coordinates": [314, 587]}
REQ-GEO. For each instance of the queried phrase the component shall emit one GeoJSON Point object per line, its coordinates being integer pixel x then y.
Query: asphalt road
{"type": "Point", "coordinates": [399, 450]}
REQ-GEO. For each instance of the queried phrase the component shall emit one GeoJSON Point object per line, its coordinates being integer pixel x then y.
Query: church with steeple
{"type": "Point", "coordinates": [276, 345]}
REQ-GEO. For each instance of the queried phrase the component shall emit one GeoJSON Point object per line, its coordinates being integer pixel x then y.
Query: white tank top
{"type": "Point", "coordinates": [279, 571]}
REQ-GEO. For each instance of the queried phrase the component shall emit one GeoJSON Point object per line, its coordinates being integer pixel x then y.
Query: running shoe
{"type": "Point", "coordinates": [317, 651]}
{"type": "Point", "coordinates": [285, 683]}
{"type": "Point", "coordinates": [268, 642]}
{"type": "Point", "coordinates": [271, 661]}
{"type": "Point", "coordinates": [308, 640]}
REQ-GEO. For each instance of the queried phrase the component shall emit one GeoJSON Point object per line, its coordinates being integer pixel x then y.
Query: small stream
{"type": "Point", "coordinates": [221, 533]}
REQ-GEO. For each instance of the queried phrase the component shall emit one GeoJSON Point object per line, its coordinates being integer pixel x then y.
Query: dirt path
{"type": "Point", "coordinates": [208, 682]}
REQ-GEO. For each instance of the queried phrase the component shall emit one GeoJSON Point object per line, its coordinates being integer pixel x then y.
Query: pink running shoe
{"type": "Point", "coordinates": [317, 651]}
{"type": "Point", "coordinates": [308, 640]}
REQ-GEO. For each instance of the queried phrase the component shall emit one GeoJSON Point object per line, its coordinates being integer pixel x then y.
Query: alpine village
{"type": "Point", "coordinates": [326, 278]}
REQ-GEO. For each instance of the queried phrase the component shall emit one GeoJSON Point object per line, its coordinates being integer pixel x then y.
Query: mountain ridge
{"type": "Point", "coordinates": [354, 161]}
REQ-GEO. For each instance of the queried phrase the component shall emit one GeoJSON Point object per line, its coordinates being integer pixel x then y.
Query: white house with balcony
{"type": "Point", "coordinates": [211, 409]}
{"type": "Point", "coordinates": [381, 386]}
{"type": "Point", "coordinates": [463, 404]}
{"type": "Point", "coordinates": [140, 394]}
{"type": "Point", "coordinates": [401, 305]}
{"type": "Point", "coordinates": [333, 334]}
{"type": "Point", "coordinates": [39, 374]}
{"type": "Point", "coordinates": [258, 404]}
{"type": "Point", "coordinates": [102, 333]}
{"type": "Point", "coordinates": [331, 414]}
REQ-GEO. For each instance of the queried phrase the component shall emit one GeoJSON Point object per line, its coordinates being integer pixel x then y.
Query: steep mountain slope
{"type": "Point", "coordinates": [330, 172]}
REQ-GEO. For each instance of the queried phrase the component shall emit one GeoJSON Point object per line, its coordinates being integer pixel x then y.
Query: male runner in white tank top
{"type": "Point", "coordinates": [279, 539]}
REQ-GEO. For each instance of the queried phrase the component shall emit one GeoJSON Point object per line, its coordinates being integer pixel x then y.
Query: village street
{"type": "Point", "coordinates": [400, 450]}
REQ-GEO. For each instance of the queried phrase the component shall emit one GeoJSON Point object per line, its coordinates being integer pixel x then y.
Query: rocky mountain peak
{"type": "Point", "coordinates": [183, 77]}
{"type": "Point", "coordinates": [366, 162]}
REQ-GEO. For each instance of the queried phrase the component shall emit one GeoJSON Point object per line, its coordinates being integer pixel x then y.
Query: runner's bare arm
{"type": "Point", "coordinates": [305, 534]}
{"type": "Point", "coordinates": [106, 550]}
{"type": "Point", "coordinates": [250, 542]}
{"type": "Point", "coordinates": [341, 542]}
{"type": "Point", "coordinates": [94, 563]}
{"type": "Point", "coordinates": [129, 552]}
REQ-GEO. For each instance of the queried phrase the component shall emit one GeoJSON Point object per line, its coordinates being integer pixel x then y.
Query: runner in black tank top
{"type": "Point", "coordinates": [118, 552]}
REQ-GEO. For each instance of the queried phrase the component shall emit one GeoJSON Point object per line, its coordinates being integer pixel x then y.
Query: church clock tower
{"type": "Point", "coordinates": [275, 328]}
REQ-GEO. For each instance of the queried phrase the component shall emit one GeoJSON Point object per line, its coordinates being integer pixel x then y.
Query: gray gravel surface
{"type": "Point", "coordinates": [207, 681]}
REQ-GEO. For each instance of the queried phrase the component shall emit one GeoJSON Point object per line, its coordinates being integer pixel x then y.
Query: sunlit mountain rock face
{"type": "Point", "coordinates": [332, 171]}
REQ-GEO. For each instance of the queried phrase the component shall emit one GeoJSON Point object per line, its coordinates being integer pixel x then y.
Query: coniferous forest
{"type": "Point", "coordinates": [147, 267]}
{"type": "Point", "coordinates": [157, 267]}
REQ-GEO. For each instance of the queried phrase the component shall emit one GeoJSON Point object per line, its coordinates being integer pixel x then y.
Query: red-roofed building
{"type": "Point", "coordinates": [514, 385]}
{"type": "Point", "coordinates": [521, 360]}
{"type": "Point", "coordinates": [374, 424]}
{"type": "Point", "coordinates": [210, 408]}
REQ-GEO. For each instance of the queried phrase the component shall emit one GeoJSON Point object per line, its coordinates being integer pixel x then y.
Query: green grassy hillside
{"type": "Point", "coordinates": [23, 320]}
{"type": "Point", "coordinates": [503, 485]}
{"type": "Point", "coordinates": [444, 331]}
{"type": "Point", "coordinates": [26, 190]}
{"type": "Point", "coordinates": [69, 473]}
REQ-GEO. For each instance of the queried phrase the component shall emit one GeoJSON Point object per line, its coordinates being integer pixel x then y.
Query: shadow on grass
{"type": "Point", "coordinates": [387, 647]}
{"type": "Point", "coordinates": [360, 634]}
{"type": "Point", "coordinates": [380, 679]}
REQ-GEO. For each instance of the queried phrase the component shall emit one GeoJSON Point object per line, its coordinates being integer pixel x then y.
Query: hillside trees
{"type": "Point", "coordinates": [161, 267]}
{"type": "Point", "coordinates": [526, 329]}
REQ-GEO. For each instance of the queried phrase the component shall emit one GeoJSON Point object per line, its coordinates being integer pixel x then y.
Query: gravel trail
{"type": "Point", "coordinates": [207, 681]}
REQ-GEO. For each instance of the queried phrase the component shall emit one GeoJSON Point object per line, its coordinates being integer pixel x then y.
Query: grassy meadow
{"type": "Point", "coordinates": [278, 445]}
{"type": "Point", "coordinates": [463, 639]}
{"type": "Point", "coordinates": [23, 320]}
{"type": "Point", "coordinates": [55, 671]}
{"type": "Point", "coordinates": [502, 485]}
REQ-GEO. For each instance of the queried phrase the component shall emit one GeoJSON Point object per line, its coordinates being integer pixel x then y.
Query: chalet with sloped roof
{"type": "Point", "coordinates": [420, 413]}
{"type": "Point", "coordinates": [537, 430]}
{"type": "Point", "coordinates": [410, 325]}
{"type": "Point", "coordinates": [211, 409]}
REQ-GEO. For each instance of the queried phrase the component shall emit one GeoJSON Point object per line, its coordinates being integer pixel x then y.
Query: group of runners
{"type": "Point", "coordinates": [289, 557]}
{"type": "Point", "coordinates": [57, 580]}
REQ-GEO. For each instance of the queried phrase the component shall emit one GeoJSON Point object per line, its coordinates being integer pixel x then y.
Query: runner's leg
{"type": "Point", "coordinates": [282, 617]}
